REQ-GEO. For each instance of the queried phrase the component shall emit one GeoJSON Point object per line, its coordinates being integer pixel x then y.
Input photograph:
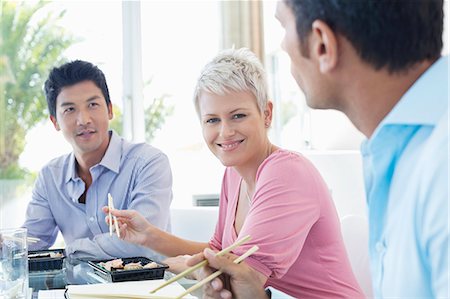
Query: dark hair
{"type": "Point", "coordinates": [69, 74]}
{"type": "Point", "coordinates": [385, 33]}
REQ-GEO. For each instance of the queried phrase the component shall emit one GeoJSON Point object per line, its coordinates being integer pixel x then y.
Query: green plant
{"type": "Point", "coordinates": [116, 123]}
{"type": "Point", "coordinates": [31, 42]}
{"type": "Point", "coordinates": [155, 115]}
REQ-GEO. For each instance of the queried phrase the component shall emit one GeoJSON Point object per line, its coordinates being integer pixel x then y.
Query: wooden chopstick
{"type": "Point", "coordinates": [217, 273]}
{"type": "Point", "coordinates": [201, 264]}
{"type": "Point", "coordinates": [111, 217]}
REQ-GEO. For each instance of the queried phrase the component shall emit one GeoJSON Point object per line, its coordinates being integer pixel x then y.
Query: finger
{"type": "Point", "coordinates": [217, 284]}
{"type": "Point", "coordinates": [127, 214]}
{"type": "Point", "coordinates": [195, 259]}
{"type": "Point", "coordinates": [224, 262]}
{"type": "Point", "coordinates": [225, 294]}
{"type": "Point", "coordinates": [123, 230]}
{"type": "Point", "coordinates": [209, 292]}
{"type": "Point", "coordinates": [112, 220]}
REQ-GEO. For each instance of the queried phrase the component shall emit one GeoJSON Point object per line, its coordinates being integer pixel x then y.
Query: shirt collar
{"type": "Point", "coordinates": [422, 104]}
{"type": "Point", "coordinates": [71, 170]}
{"type": "Point", "coordinates": [425, 100]}
{"type": "Point", "coordinates": [110, 160]}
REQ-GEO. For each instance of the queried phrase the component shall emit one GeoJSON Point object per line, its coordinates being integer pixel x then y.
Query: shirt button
{"type": "Point", "coordinates": [91, 219]}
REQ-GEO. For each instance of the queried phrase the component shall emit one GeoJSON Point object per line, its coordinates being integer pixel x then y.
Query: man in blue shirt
{"type": "Point", "coordinates": [71, 190]}
{"type": "Point", "coordinates": [379, 62]}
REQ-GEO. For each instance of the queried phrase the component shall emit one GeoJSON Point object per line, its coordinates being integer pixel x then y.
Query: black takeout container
{"type": "Point", "coordinates": [116, 275]}
{"type": "Point", "coordinates": [45, 262]}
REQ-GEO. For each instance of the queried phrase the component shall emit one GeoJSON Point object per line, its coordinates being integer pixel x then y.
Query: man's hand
{"type": "Point", "coordinates": [245, 283]}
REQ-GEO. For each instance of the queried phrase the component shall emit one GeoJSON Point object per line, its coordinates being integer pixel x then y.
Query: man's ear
{"type": "Point", "coordinates": [110, 111]}
{"type": "Point", "coordinates": [323, 46]}
{"type": "Point", "coordinates": [55, 122]}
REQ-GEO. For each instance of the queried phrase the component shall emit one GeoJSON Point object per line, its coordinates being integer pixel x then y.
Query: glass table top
{"type": "Point", "coordinates": [78, 272]}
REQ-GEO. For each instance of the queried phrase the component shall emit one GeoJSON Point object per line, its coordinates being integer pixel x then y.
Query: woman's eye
{"type": "Point", "coordinates": [239, 115]}
{"type": "Point", "coordinates": [212, 120]}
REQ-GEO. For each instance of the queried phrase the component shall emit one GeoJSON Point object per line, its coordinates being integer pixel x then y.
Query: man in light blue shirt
{"type": "Point", "coordinates": [71, 190]}
{"type": "Point", "coordinates": [406, 174]}
{"type": "Point", "coordinates": [378, 61]}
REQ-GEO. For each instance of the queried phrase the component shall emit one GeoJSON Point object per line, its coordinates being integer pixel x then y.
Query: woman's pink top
{"type": "Point", "coordinates": [293, 220]}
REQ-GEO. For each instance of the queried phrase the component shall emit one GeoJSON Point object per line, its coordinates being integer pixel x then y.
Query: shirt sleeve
{"type": "Point", "coordinates": [285, 206]}
{"type": "Point", "coordinates": [39, 217]}
{"type": "Point", "coordinates": [432, 226]}
{"type": "Point", "coordinates": [216, 240]}
{"type": "Point", "coordinates": [151, 196]}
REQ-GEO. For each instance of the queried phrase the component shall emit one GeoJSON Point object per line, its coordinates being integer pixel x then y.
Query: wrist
{"type": "Point", "coordinates": [151, 237]}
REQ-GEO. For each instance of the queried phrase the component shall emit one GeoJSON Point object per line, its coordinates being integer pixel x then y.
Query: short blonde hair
{"type": "Point", "coordinates": [233, 70]}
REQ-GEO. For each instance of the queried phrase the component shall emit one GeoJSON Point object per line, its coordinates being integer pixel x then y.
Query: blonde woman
{"type": "Point", "coordinates": [272, 194]}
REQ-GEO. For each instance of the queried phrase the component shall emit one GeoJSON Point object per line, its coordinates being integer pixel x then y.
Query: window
{"type": "Point", "coordinates": [99, 40]}
{"type": "Point", "coordinates": [178, 39]}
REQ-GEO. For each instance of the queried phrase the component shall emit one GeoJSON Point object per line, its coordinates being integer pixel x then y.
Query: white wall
{"type": "Point", "coordinates": [342, 171]}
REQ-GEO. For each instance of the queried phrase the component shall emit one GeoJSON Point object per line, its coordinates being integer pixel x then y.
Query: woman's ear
{"type": "Point", "coordinates": [268, 114]}
{"type": "Point", "coordinates": [324, 46]}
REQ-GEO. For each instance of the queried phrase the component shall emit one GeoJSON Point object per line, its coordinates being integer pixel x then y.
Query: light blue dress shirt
{"type": "Point", "coordinates": [406, 178]}
{"type": "Point", "coordinates": [138, 176]}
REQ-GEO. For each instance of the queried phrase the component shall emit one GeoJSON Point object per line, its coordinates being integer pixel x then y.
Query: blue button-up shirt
{"type": "Point", "coordinates": [406, 177]}
{"type": "Point", "coordinates": [138, 176]}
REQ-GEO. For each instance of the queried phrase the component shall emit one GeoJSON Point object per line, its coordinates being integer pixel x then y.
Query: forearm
{"type": "Point", "coordinates": [170, 245]}
{"type": "Point", "coordinates": [103, 246]}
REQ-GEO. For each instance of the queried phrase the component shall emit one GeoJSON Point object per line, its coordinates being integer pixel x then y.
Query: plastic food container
{"type": "Point", "coordinates": [117, 274]}
{"type": "Point", "coordinates": [44, 260]}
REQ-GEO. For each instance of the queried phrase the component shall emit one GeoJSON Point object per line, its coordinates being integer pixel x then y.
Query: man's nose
{"type": "Point", "coordinates": [84, 117]}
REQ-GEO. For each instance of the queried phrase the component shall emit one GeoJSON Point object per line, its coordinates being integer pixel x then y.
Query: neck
{"type": "Point", "coordinates": [371, 94]}
{"type": "Point", "coordinates": [249, 170]}
{"type": "Point", "coordinates": [85, 162]}
{"type": "Point", "coordinates": [88, 159]}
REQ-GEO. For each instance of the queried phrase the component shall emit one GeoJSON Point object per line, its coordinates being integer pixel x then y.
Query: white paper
{"type": "Point", "coordinates": [128, 289]}
{"type": "Point", "coordinates": [51, 294]}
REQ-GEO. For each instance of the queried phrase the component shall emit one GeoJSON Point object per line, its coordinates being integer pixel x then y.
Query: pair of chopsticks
{"type": "Point", "coordinates": [217, 273]}
{"type": "Point", "coordinates": [111, 217]}
{"type": "Point", "coordinates": [204, 263]}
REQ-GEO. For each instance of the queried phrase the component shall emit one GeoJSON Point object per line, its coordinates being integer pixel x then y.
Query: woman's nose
{"type": "Point", "coordinates": [226, 129]}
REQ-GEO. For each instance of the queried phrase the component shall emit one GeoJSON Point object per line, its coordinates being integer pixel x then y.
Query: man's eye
{"type": "Point", "coordinates": [70, 109]}
{"type": "Point", "coordinates": [239, 115]}
{"type": "Point", "coordinates": [93, 104]}
{"type": "Point", "coordinates": [212, 120]}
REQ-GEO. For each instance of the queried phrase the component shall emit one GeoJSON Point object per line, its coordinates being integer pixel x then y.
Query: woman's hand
{"type": "Point", "coordinates": [133, 226]}
{"type": "Point", "coordinates": [178, 264]}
